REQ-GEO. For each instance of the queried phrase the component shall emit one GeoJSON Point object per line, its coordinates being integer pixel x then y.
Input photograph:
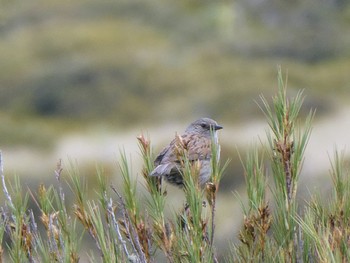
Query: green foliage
{"type": "Point", "coordinates": [286, 148]}
{"type": "Point", "coordinates": [123, 229]}
{"type": "Point", "coordinates": [130, 225]}
{"type": "Point", "coordinates": [319, 234]}
{"type": "Point", "coordinates": [91, 60]}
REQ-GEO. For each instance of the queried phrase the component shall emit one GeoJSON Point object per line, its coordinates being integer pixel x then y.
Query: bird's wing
{"type": "Point", "coordinates": [197, 147]}
{"type": "Point", "coordinates": [166, 161]}
{"type": "Point", "coordinates": [166, 155]}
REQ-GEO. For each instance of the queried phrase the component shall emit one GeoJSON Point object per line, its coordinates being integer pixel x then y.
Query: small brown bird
{"type": "Point", "coordinates": [197, 141]}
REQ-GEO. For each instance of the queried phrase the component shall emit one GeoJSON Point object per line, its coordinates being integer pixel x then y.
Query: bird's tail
{"type": "Point", "coordinates": [162, 169]}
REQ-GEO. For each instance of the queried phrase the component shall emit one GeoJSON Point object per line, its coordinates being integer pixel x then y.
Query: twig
{"type": "Point", "coordinates": [8, 197]}
{"type": "Point", "coordinates": [53, 246]}
{"type": "Point", "coordinates": [212, 222]}
{"type": "Point", "coordinates": [34, 227]}
{"type": "Point", "coordinates": [213, 205]}
{"type": "Point", "coordinates": [58, 173]}
{"type": "Point", "coordinates": [138, 247]}
{"type": "Point", "coordinates": [116, 226]}
{"type": "Point", "coordinates": [299, 248]}
{"type": "Point", "coordinates": [33, 223]}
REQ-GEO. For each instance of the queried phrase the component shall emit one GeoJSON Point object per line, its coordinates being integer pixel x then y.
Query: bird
{"type": "Point", "coordinates": [197, 143]}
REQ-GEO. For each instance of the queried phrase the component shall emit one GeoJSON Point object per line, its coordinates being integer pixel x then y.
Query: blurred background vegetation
{"type": "Point", "coordinates": [80, 79]}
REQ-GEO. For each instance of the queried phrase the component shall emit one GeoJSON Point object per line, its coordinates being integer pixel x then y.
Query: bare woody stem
{"type": "Point", "coordinates": [137, 246]}
{"type": "Point", "coordinates": [4, 188]}
{"type": "Point", "coordinates": [285, 148]}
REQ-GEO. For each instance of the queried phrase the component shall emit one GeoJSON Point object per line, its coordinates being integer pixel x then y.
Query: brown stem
{"type": "Point", "coordinates": [288, 172]}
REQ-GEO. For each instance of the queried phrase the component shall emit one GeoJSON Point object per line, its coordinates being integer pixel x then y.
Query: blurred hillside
{"type": "Point", "coordinates": [132, 61]}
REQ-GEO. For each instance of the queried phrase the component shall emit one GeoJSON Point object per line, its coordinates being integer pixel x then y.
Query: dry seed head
{"type": "Point", "coordinates": [247, 235]}
{"type": "Point", "coordinates": [59, 169]}
{"type": "Point", "coordinates": [84, 219]}
{"type": "Point", "coordinates": [45, 220]}
{"type": "Point", "coordinates": [144, 237]}
{"type": "Point", "coordinates": [265, 218]}
{"type": "Point", "coordinates": [180, 148]}
{"type": "Point", "coordinates": [337, 236]}
{"type": "Point", "coordinates": [56, 233]}
{"type": "Point", "coordinates": [26, 238]}
{"type": "Point", "coordinates": [74, 257]}
{"type": "Point", "coordinates": [169, 233]}
{"type": "Point", "coordinates": [123, 228]}
{"type": "Point", "coordinates": [42, 191]}
{"type": "Point", "coordinates": [210, 190]}
{"type": "Point", "coordinates": [143, 142]}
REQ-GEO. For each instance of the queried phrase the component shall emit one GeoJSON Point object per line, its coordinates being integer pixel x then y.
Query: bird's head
{"type": "Point", "coordinates": [203, 126]}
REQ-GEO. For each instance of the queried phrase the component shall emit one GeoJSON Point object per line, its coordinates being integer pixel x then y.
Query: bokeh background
{"type": "Point", "coordinates": [80, 80]}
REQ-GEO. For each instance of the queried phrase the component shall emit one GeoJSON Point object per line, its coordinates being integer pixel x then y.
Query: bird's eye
{"type": "Point", "coordinates": [203, 125]}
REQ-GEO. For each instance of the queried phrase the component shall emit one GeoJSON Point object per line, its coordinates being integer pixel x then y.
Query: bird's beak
{"type": "Point", "coordinates": [218, 127]}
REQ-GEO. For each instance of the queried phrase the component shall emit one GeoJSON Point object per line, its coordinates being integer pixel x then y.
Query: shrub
{"type": "Point", "coordinates": [126, 225]}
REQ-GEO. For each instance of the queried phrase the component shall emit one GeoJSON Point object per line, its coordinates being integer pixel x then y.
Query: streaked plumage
{"type": "Point", "coordinates": [197, 141]}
